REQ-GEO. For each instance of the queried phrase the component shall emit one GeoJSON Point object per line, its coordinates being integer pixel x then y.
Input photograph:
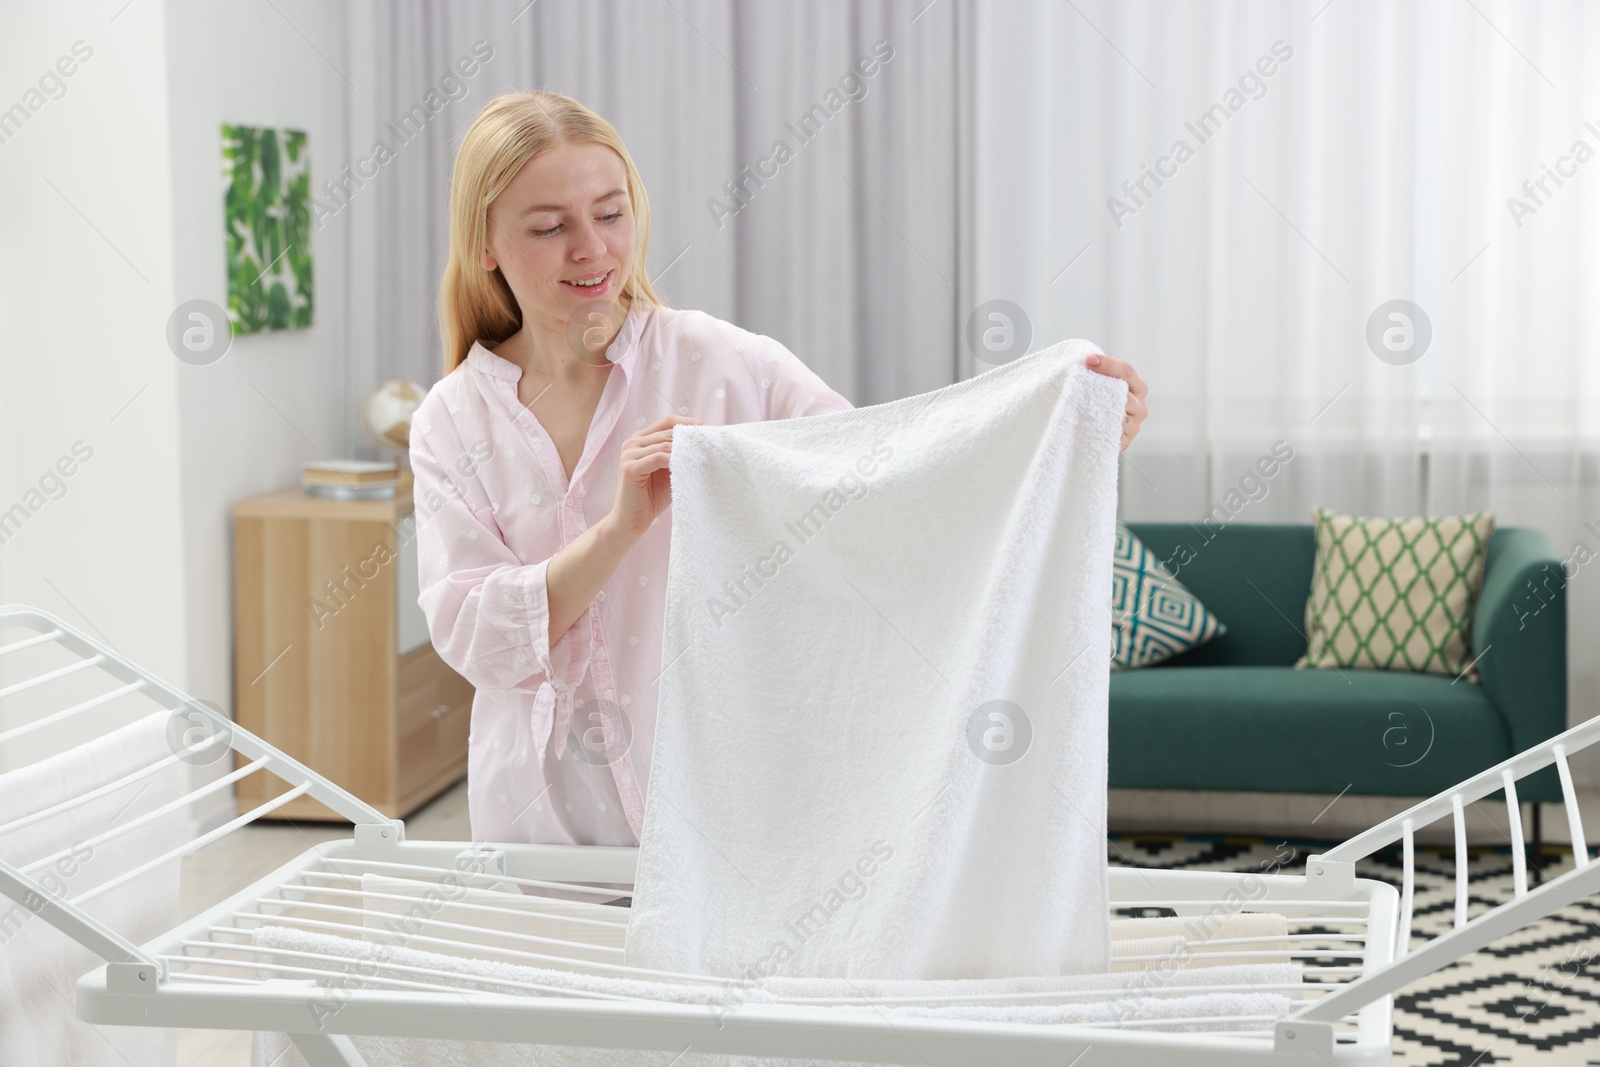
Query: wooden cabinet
{"type": "Point", "coordinates": [332, 661]}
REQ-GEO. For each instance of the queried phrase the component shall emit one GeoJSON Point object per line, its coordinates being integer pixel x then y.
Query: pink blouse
{"type": "Point", "coordinates": [562, 732]}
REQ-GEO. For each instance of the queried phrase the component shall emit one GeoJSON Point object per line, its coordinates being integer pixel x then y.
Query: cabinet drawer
{"type": "Point", "coordinates": [456, 693]}
{"type": "Point", "coordinates": [417, 754]}
{"type": "Point", "coordinates": [434, 709]}
{"type": "Point", "coordinates": [359, 695]}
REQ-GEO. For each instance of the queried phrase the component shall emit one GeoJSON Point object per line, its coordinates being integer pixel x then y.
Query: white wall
{"type": "Point", "coordinates": [278, 398]}
{"type": "Point", "coordinates": [86, 284]}
{"type": "Point", "coordinates": [137, 550]}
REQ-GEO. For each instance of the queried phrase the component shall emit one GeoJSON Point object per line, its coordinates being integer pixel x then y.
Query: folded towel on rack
{"type": "Point", "coordinates": [40, 965]}
{"type": "Point", "coordinates": [277, 944]}
{"type": "Point", "coordinates": [1232, 990]}
{"type": "Point", "coordinates": [1207, 1011]}
{"type": "Point", "coordinates": [880, 746]}
{"type": "Point", "coordinates": [1207, 926]}
{"type": "Point", "coordinates": [486, 921]}
{"type": "Point", "coordinates": [1204, 997]}
{"type": "Point", "coordinates": [1198, 940]}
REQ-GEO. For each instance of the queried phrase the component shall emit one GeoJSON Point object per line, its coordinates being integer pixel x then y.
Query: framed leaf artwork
{"type": "Point", "coordinates": [267, 205]}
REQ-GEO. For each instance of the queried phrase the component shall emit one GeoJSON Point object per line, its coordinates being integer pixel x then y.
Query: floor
{"type": "Point", "coordinates": [214, 873]}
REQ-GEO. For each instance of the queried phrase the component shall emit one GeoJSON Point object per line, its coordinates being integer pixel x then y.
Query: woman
{"type": "Point", "coordinates": [541, 465]}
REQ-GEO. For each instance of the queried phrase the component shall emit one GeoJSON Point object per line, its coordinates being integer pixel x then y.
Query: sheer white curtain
{"type": "Point", "coordinates": [1352, 153]}
{"type": "Point", "coordinates": [849, 251]}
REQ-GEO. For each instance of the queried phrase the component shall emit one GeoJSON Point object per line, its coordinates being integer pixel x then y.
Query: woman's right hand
{"type": "Point", "coordinates": [643, 486]}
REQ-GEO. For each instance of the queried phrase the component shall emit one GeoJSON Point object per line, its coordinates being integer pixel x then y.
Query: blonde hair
{"type": "Point", "coordinates": [478, 305]}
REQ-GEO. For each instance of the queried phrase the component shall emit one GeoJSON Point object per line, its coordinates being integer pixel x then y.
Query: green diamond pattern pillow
{"type": "Point", "coordinates": [1153, 616]}
{"type": "Point", "coordinates": [1395, 594]}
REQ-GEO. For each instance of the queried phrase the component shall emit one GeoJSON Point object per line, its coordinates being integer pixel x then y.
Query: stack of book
{"type": "Point", "coordinates": [354, 479]}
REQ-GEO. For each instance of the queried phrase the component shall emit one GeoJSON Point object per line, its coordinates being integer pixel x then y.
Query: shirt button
{"type": "Point", "coordinates": [625, 700]}
{"type": "Point", "coordinates": [472, 535]}
{"type": "Point", "coordinates": [694, 356]}
{"type": "Point", "coordinates": [568, 805]}
{"type": "Point", "coordinates": [601, 595]}
{"type": "Point", "coordinates": [683, 411]}
{"type": "Point", "coordinates": [763, 383]}
{"type": "Point", "coordinates": [738, 348]}
{"type": "Point", "coordinates": [639, 421]}
{"type": "Point", "coordinates": [722, 392]}
{"type": "Point", "coordinates": [523, 556]}
{"type": "Point", "coordinates": [536, 498]}
{"type": "Point", "coordinates": [643, 580]}
{"type": "Point", "coordinates": [632, 642]}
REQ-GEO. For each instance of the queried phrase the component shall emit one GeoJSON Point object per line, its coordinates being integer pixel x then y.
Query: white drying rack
{"type": "Point", "coordinates": [1351, 935]}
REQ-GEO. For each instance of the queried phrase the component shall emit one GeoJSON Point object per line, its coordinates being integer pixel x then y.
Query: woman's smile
{"type": "Point", "coordinates": [586, 283]}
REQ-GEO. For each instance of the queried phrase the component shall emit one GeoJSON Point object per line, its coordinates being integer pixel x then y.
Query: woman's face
{"type": "Point", "coordinates": [565, 218]}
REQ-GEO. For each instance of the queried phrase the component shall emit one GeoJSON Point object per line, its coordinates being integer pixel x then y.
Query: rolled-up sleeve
{"type": "Point", "coordinates": [794, 389]}
{"type": "Point", "coordinates": [488, 612]}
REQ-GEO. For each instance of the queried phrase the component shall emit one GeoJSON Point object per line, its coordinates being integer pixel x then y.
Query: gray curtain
{"type": "Point", "coordinates": [854, 253]}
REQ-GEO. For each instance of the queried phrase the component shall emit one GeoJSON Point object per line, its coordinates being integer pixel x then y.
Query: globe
{"type": "Point", "coordinates": [386, 411]}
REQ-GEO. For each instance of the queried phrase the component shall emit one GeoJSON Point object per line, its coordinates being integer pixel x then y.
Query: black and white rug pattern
{"type": "Point", "coordinates": [1532, 998]}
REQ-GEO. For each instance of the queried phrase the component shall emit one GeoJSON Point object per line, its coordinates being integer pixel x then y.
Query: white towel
{"type": "Point", "coordinates": [39, 965]}
{"type": "Point", "coordinates": [1213, 925]}
{"type": "Point", "coordinates": [1151, 996]}
{"type": "Point", "coordinates": [481, 920]}
{"type": "Point", "coordinates": [881, 739]}
{"type": "Point", "coordinates": [1157, 983]}
{"type": "Point", "coordinates": [1207, 940]}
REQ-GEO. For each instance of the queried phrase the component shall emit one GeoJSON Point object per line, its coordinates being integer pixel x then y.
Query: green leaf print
{"type": "Point", "coordinates": [267, 228]}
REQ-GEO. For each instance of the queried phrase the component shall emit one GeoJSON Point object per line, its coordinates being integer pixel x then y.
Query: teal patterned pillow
{"type": "Point", "coordinates": [1153, 617]}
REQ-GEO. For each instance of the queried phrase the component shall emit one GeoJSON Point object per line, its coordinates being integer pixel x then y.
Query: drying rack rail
{"type": "Point", "coordinates": [247, 963]}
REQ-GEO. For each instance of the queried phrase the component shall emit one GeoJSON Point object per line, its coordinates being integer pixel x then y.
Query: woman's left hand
{"type": "Point", "coordinates": [1134, 413]}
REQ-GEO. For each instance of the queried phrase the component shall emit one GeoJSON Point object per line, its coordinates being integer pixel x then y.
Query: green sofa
{"type": "Point", "coordinates": [1235, 715]}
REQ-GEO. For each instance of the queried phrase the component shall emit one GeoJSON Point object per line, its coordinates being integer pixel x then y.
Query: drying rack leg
{"type": "Point", "coordinates": [328, 1050]}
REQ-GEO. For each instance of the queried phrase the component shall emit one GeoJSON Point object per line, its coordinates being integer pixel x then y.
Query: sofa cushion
{"type": "Point", "coordinates": [1153, 617]}
{"type": "Point", "coordinates": [1395, 594]}
{"type": "Point", "coordinates": [1277, 729]}
{"type": "Point", "coordinates": [1254, 577]}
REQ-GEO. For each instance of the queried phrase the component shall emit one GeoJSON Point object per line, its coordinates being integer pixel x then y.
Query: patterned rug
{"type": "Point", "coordinates": [1532, 998]}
